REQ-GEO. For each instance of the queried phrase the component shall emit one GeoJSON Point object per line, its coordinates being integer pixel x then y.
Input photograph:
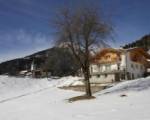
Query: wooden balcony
{"type": "Point", "coordinates": [107, 72]}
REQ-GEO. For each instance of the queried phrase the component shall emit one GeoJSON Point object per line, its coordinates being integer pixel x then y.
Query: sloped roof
{"type": "Point", "coordinates": [99, 54]}
{"type": "Point", "coordinates": [135, 50]}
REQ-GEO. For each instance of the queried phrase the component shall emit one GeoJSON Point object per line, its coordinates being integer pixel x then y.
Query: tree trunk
{"type": "Point", "coordinates": [87, 83]}
{"type": "Point", "coordinates": [87, 72]}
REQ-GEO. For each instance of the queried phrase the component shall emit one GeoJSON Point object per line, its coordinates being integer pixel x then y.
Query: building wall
{"type": "Point", "coordinates": [105, 78]}
{"type": "Point", "coordinates": [123, 61]}
{"type": "Point", "coordinates": [133, 70]}
{"type": "Point", "coordinates": [95, 68]}
{"type": "Point", "coordinates": [102, 78]}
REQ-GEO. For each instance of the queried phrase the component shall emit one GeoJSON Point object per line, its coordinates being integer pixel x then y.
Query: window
{"type": "Point", "coordinates": [98, 76]}
{"type": "Point", "coordinates": [90, 76]}
{"type": "Point", "coordinates": [118, 66]}
{"type": "Point", "coordinates": [105, 75]}
{"type": "Point", "coordinates": [100, 68]}
{"type": "Point", "coordinates": [132, 76]}
{"type": "Point", "coordinates": [91, 69]}
{"type": "Point", "coordinates": [137, 66]}
{"type": "Point", "coordinates": [141, 67]}
{"type": "Point", "coordinates": [107, 56]}
{"type": "Point", "coordinates": [122, 76]}
{"type": "Point", "coordinates": [139, 76]}
{"type": "Point", "coordinates": [108, 67]}
{"type": "Point", "coordinates": [95, 68]}
{"type": "Point", "coordinates": [128, 75]}
{"type": "Point", "coordinates": [132, 66]}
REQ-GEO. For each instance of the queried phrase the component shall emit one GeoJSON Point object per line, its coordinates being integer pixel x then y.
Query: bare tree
{"type": "Point", "coordinates": [81, 29]}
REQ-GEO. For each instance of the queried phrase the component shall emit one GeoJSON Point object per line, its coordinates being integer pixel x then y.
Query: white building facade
{"type": "Point", "coordinates": [112, 65]}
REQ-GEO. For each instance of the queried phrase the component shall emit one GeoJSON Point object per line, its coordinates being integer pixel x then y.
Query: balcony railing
{"type": "Point", "coordinates": [106, 72]}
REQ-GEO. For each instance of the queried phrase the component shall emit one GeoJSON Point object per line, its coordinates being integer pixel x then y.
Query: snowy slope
{"type": "Point", "coordinates": [69, 81]}
{"type": "Point", "coordinates": [51, 103]}
{"type": "Point", "coordinates": [13, 87]}
{"type": "Point", "coordinates": [132, 85]}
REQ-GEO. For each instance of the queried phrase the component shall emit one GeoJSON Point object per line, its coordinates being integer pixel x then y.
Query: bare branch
{"type": "Point", "coordinates": [81, 29]}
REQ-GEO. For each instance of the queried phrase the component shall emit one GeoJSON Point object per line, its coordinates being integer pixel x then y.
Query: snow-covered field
{"type": "Point", "coordinates": [11, 87]}
{"type": "Point", "coordinates": [40, 99]}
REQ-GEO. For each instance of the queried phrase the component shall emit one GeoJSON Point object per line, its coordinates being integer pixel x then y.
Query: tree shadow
{"type": "Point", "coordinates": [79, 98]}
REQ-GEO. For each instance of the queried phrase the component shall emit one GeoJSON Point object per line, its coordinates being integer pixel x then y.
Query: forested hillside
{"type": "Point", "coordinates": [144, 42]}
{"type": "Point", "coordinates": [58, 61]}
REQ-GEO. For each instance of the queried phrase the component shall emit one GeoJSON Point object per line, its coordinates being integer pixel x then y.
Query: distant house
{"type": "Point", "coordinates": [111, 65]}
{"type": "Point", "coordinates": [36, 68]}
{"type": "Point", "coordinates": [23, 73]}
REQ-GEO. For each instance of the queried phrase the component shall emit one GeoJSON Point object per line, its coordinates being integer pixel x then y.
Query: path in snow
{"type": "Point", "coordinates": [23, 95]}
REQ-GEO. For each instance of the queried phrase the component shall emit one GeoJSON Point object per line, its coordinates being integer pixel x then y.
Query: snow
{"type": "Point", "coordinates": [46, 102]}
{"type": "Point", "coordinates": [12, 86]}
{"type": "Point", "coordinates": [70, 81]}
{"type": "Point", "coordinates": [132, 85]}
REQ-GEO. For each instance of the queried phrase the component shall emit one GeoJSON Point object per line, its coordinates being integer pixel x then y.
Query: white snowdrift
{"type": "Point", "coordinates": [131, 85]}
{"type": "Point", "coordinates": [12, 86]}
{"type": "Point", "coordinates": [69, 81]}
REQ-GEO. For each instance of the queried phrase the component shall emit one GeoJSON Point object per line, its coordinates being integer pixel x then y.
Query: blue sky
{"type": "Point", "coordinates": [25, 24]}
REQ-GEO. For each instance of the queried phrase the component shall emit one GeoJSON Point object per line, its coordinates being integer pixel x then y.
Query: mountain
{"type": "Point", "coordinates": [58, 61]}
{"type": "Point", "coordinates": [144, 42]}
